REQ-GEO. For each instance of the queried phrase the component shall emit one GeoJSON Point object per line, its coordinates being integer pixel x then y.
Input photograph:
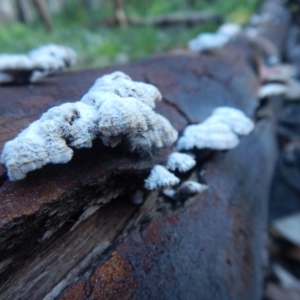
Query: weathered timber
{"type": "Point", "coordinates": [209, 247]}
{"type": "Point", "coordinates": [226, 222]}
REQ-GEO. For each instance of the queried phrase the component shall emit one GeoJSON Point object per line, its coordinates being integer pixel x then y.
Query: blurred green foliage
{"type": "Point", "coordinates": [100, 46]}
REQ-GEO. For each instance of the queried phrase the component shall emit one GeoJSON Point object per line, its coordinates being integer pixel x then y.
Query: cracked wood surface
{"type": "Point", "coordinates": [39, 251]}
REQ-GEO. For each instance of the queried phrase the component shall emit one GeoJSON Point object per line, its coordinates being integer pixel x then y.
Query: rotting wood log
{"type": "Point", "coordinates": [209, 247]}
{"type": "Point", "coordinates": [226, 222]}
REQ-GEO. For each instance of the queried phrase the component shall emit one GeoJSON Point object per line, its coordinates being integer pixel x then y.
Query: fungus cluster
{"type": "Point", "coordinates": [38, 63]}
{"type": "Point", "coordinates": [220, 131]}
{"type": "Point", "coordinates": [161, 177]}
{"type": "Point", "coordinates": [115, 109]}
{"type": "Point", "coordinates": [208, 41]}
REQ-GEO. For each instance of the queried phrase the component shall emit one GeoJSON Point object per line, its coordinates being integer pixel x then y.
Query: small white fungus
{"type": "Point", "coordinates": [180, 161]}
{"type": "Point", "coordinates": [190, 188]}
{"type": "Point", "coordinates": [209, 41]}
{"type": "Point", "coordinates": [230, 29]}
{"type": "Point", "coordinates": [41, 62]}
{"type": "Point", "coordinates": [125, 112]}
{"type": "Point", "coordinates": [124, 87]}
{"type": "Point", "coordinates": [238, 122]}
{"type": "Point", "coordinates": [58, 52]}
{"type": "Point", "coordinates": [12, 62]}
{"type": "Point", "coordinates": [161, 134]}
{"type": "Point", "coordinates": [48, 139]}
{"type": "Point", "coordinates": [272, 89]}
{"type": "Point", "coordinates": [218, 132]}
{"type": "Point", "coordinates": [216, 136]}
{"type": "Point", "coordinates": [160, 177]}
{"type": "Point", "coordinates": [169, 192]}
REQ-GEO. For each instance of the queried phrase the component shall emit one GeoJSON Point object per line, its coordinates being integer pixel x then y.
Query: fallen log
{"type": "Point", "coordinates": [71, 232]}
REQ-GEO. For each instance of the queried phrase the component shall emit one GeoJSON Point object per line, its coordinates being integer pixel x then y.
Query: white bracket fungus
{"type": "Point", "coordinates": [186, 190]}
{"type": "Point", "coordinates": [218, 132]}
{"type": "Point", "coordinates": [208, 41]}
{"type": "Point", "coordinates": [234, 118]}
{"type": "Point", "coordinates": [230, 29]}
{"type": "Point", "coordinates": [160, 177]}
{"type": "Point", "coordinates": [190, 188]}
{"type": "Point", "coordinates": [272, 89]}
{"type": "Point", "coordinates": [105, 114]}
{"type": "Point", "coordinates": [125, 87]}
{"type": "Point", "coordinates": [180, 161]}
{"type": "Point", "coordinates": [38, 63]}
{"type": "Point", "coordinates": [290, 90]}
{"type": "Point", "coordinates": [125, 109]}
{"type": "Point", "coordinates": [216, 136]}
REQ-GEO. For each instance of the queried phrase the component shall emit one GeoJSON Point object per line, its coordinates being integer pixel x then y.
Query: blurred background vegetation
{"type": "Point", "coordinates": [80, 25]}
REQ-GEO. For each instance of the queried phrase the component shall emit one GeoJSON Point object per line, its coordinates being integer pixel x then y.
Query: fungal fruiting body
{"type": "Point", "coordinates": [190, 188]}
{"type": "Point", "coordinates": [104, 114]}
{"type": "Point", "coordinates": [160, 177]}
{"type": "Point", "coordinates": [217, 136]}
{"type": "Point", "coordinates": [208, 41]}
{"type": "Point", "coordinates": [272, 89]}
{"type": "Point", "coordinates": [65, 54]}
{"type": "Point", "coordinates": [125, 112]}
{"type": "Point", "coordinates": [234, 118]}
{"type": "Point", "coordinates": [180, 161]}
{"type": "Point", "coordinates": [229, 29]}
{"type": "Point", "coordinates": [218, 132]}
{"type": "Point", "coordinates": [186, 190]}
{"type": "Point", "coordinates": [38, 63]}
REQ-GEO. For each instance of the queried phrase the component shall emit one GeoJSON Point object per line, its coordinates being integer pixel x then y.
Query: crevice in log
{"type": "Point", "coordinates": [182, 113]}
{"type": "Point", "coordinates": [177, 108]}
{"type": "Point", "coordinates": [3, 178]}
{"type": "Point", "coordinates": [263, 111]}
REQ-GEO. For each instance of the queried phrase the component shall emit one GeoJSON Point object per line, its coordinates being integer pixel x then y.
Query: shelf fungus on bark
{"type": "Point", "coordinates": [234, 118]}
{"type": "Point", "coordinates": [190, 188]}
{"type": "Point", "coordinates": [111, 117]}
{"type": "Point", "coordinates": [218, 132]}
{"type": "Point", "coordinates": [160, 177]}
{"type": "Point", "coordinates": [180, 161]}
{"type": "Point", "coordinates": [38, 63]}
{"type": "Point", "coordinates": [272, 89]}
{"type": "Point", "coordinates": [209, 41]}
{"type": "Point", "coordinates": [186, 190]}
{"type": "Point", "coordinates": [289, 90]}
{"type": "Point", "coordinates": [122, 85]}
